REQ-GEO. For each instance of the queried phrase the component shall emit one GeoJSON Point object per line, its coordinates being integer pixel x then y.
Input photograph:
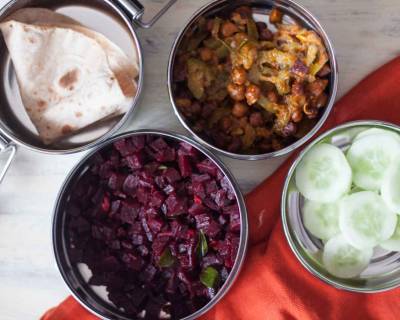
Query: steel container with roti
{"type": "Point", "coordinates": [72, 73]}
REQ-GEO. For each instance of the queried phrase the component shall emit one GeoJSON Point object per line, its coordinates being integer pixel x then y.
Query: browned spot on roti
{"type": "Point", "coordinates": [68, 79]}
{"type": "Point", "coordinates": [31, 40]}
{"type": "Point", "coordinates": [67, 129]}
{"type": "Point", "coordinates": [78, 114]}
{"type": "Point", "coordinates": [126, 83]}
{"type": "Point", "coordinates": [42, 104]}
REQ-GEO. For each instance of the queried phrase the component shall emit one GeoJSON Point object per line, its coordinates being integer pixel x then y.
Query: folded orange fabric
{"type": "Point", "coordinates": [273, 284]}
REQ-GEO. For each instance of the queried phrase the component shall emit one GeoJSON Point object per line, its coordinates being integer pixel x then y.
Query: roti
{"type": "Point", "coordinates": [69, 76]}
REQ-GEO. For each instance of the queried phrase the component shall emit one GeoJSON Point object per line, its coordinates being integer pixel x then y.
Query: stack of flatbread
{"type": "Point", "coordinates": [69, 76]}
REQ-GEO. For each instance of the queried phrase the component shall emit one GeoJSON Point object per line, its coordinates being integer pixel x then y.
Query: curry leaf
{"type": "Point", "coordinates": [209, 277]}
{"type": "Point", "coordinates": [167, 259]}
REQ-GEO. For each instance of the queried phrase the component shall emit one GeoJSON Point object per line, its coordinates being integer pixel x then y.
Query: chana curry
{"type": "Point", "coordinates": [250, 87]}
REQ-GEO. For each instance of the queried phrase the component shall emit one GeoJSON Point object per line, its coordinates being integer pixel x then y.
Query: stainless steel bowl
{"type": "Point", "coordinates": [116, 20]}
{"type": "Point", "coordinates": [293, 13]}
{"type": "Point", "coordinates": [70, 273]}
{"type": "Point", "coordinates": [383, 273]}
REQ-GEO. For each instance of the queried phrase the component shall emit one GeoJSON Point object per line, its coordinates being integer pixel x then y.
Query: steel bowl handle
{"type": "Point", "coordinates": [6, 147]}
{"type": "Point", "coordinates": [135, 10]}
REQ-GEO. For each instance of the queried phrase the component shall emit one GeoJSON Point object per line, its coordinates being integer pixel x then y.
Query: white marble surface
{"type": "Point", "coordinates": [365, 34]}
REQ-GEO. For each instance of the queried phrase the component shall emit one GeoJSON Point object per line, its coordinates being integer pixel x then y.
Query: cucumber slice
{"type": "Point", "coordinates": [370, 157]}
{"type": "Point", "coordinates": [377, 131]}
{"type": "Point", "coordinates": [365, 220]}
{"type": "Point", "coordinates": [393, 244]}
{"type": "Point", "coordinates": [391, 188]}
{"type": "Point", "coordinates": [342, 260]}
{"type": "Point", "coordinates": [321, 219]}
{"type": "Point", "coordinates": [323, 174]}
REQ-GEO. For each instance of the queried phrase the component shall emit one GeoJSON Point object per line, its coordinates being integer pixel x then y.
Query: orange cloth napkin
{"type": "Point", "coordinates": [273, 284]}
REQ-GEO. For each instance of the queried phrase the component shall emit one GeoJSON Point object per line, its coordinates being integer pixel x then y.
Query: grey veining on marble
{"type": "Point", "coordinates": [365, 33]}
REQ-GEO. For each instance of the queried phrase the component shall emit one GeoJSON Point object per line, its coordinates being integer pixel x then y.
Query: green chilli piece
{"type": "Point", "coordinates": [323, 175]}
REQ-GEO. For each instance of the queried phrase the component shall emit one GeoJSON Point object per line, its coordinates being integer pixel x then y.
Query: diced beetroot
{"type": "Point", "coordinates": [129, 212]}
{"type": "Point", "coordinates": [116, 181]}
{"type": "Point", "coordinates": [155, 224]}
{"type": "Point", "coordinates": [196, 209]}
{"type": "Point", "coordinates": [140, 197]}
{"type": "Point", "coordinates": [130, 184]}
{"type": "Point", "coordinates": [188, 150]}
{"type": "Point", "coordinates": [135, 161]}
{"type": "Point", "coordinates": [138, 142]}
{"type": "Point", "coordinates": [159, 145]}
{"type": "Point", "coordinates": [123, 147]}
{"type": "Point", "coordinates": [211, 187]}
{"type": "Point", "coordinates": [208, 166]}
{"type": "Point", "coordinates": [200, 178]}
{"type": "Point", "coordinates": [156, 199]}
{"type": "Point", "coordinates": [231, 210]}
{"type": "Point", "coordinates": [106, 170]}
{"type": "Point", "coordinates": [227, 186]}
{"type": "Point", "coordinates": [172, 175]}
{"type": "Point", "coordinates": [207, 224]}
{"type": "Point", "coordinates": [220, 199]}
{"type": "Point", "coordinates": [105, 205]}
{"type": "Point", "coordinates": [176, 206]}
{"type": "Point", "coordinates": [199, 190]}
{"type": "Point", "coordinates": [235, 223]}
{"type": "Point", "coordinates": [132, 262]}
{"type": "Point", "coordinates": [115, 206]}
{"type": "Point", "coordinates": [184, 165]}
{"type": "Point", "coordinates": [159, 245]}
{"type": "Point", "coordinates": [143, 195]}
{"type": "Point", "coordinates": [211, 259]}
{"type": "Point", "coordinates": [211, 204]}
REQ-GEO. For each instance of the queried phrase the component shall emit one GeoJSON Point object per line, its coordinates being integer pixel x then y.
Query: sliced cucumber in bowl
{"type": "Point", "coordinates": [391, 187]}
{"type": "Point", "coordinates": [370, 157]}
{"type": "Point", "coordinates": [321, 219]}
{"type": "Point", "coordinates": [377, 131]}
{"type": "Point", "coordinates": [324, 174]}
{"type": "Point", "coordinates": [365, 220]}
{"type": "Point", "coordinates": [393, 244]}
{"type": "Point", "coordinates": [343, 260]}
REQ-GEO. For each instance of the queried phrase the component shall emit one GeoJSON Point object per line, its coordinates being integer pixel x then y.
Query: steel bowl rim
{"type": "Point", "coordinates": [240, 258]}
{"type": "Point", "coordinates": [297, 144]}
{"type": "Point", "coordinates": [134, 105]}
{"type": "Point", "coordinates": [285, 223]}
